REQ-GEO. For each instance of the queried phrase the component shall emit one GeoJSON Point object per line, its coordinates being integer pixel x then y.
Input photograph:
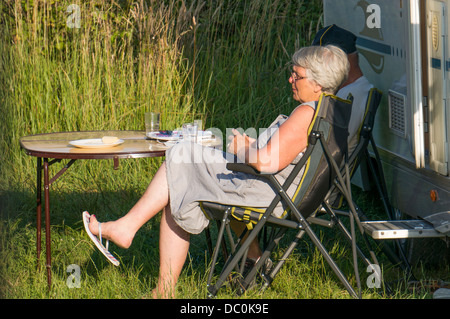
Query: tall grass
{"type": "Point", "coordinates": [226, 61]}
{"type": "Point", "coordinates": [244, 54]}
{"type": "Point", "coordinates": [121, 62]}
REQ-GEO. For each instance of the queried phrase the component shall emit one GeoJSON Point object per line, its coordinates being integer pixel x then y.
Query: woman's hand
{"type": "Point", "coordinates": [284, 145]}
{"type": "Point", "coordinates": [240, 144]}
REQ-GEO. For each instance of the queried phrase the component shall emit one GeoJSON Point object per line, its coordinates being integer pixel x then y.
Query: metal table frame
{"type": "Point", "coordinates": [43, 164]}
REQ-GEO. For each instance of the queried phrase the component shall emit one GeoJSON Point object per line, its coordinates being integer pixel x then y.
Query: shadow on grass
{"type": "Point", "coordinates": [71, 245]}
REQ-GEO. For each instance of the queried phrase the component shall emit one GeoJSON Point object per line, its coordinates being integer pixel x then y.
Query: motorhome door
{"type": "Point", "coordinates": [438, 67]}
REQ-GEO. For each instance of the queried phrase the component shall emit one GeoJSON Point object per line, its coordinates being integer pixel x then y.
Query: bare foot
{"type": "Point", "coordinates": [113, 231]}
{"type": "Point", "coordinates": [156, 294]}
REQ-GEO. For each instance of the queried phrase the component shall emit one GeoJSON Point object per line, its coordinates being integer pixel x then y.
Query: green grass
{"type": "Point", "coordinates": [305, 275]}
{"type": "Point", "coordinates": [227, 61]}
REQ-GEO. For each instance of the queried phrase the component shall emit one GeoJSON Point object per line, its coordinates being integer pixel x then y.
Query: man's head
{"type": "Point", "coordinates": [345, 40]}
{"type": "Point", "coordinates": [337, 36]}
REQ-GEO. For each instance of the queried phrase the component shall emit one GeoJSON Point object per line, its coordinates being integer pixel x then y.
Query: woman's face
{"type": "Point", "coordinates": [303, 89]}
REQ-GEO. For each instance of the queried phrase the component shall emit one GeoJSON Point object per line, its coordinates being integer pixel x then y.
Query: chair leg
{"type": "Point", "coordinates": [209, 240]}
{"type": "Point", "coordinates": [233, 261]}
{"type": "Point", "coordinates": [215, 254]}
{"type": "Point", "coordinates": [312, 235]}
{"type": "Point", "coordinates": [271, 276]}
{"type": "Point", "coordinates": [332, 263]}
{"type": "Point", "coordinates": [380, 184]}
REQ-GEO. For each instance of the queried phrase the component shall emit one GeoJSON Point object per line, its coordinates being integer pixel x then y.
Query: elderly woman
{"type": "Point", "coordinates": [192, 174]}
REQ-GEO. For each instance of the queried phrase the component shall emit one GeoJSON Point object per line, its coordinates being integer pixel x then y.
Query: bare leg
{"type": "Point", "coordinates": [174, 241]}
{"type": "Point", "coordinates": [254, 251]}
{"type": "Point", "coordinates": [173, 249]}
{"type": "Point", "coordinates": [122, 231]}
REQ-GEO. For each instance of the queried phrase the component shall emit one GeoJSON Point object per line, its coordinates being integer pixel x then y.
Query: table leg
{"type": "Point", "coordinates": [38, 209]}
{"type": "Point", "coordinates": [47, 221]}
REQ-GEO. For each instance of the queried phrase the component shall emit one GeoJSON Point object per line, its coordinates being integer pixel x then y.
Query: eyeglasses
{"type": "Point", "coordinates": [297, 77]}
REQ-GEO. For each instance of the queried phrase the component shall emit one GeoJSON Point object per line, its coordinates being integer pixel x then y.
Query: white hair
{"type": "Point", "coordinates": [327, 65]}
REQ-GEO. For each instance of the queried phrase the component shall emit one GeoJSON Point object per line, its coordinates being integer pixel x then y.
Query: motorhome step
{"type": "Point", "coordinates": [396, 229]}
{"type": "Point", "coordinates": [440, 222]}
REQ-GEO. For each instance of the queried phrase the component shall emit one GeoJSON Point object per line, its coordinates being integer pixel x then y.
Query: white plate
{"type": "Point", "coordinates": [176, 135]}
{"type": "Point", "coordinates": [205, 135]}
{"type": "Point", "coordinates": [93, 143]}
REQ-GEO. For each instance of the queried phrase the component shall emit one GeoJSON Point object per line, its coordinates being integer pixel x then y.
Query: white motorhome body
{"type": "Point", "coordinates": [404, 51]}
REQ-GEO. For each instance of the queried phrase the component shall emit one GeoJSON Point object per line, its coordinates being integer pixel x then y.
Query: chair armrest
{"type": "Point", "coordinates": [245, 168]}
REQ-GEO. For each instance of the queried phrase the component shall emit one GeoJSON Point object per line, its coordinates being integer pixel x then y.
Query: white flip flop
{"type": "Point", "coordinates": [98, 240]}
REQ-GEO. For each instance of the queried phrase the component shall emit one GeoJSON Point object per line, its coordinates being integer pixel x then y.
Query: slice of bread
{"type": "Point", "coordinates": [109, 139]}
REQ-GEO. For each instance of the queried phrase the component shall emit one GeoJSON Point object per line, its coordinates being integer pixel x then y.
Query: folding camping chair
{"type": "Point", "coordinates": [341, 192]}
{"type": "Point", "coordinates": [324, 155]}
{"type": "Point", "coordinates": [434, 226]}
{"type": "Point", "coordinates": [362, 153]}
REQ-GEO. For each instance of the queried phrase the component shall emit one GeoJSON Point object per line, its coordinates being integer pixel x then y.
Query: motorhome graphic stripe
{"type": "Point", "coordinates": [387, 49]}
{"type": "Point", "coordinates": [373, 45]}
{"type": "Point", "coordinates": [436, 63]}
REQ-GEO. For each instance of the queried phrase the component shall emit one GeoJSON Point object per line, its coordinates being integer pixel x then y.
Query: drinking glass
{"type": "Point", "coordinates": [199, 123]}
{"type": "Point", "coordinates": [152, 122]}
{"type": "Point", "coordinates": [190, 132]}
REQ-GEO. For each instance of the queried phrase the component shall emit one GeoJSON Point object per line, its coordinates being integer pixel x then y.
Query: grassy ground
{"type": "Point", "coordinates": [227, 61]}
{"type": "Point", "coordinates": [304, 276]}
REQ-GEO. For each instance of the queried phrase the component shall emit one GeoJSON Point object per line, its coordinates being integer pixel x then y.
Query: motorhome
{"type": "Point", "coordinates": [404, 51]}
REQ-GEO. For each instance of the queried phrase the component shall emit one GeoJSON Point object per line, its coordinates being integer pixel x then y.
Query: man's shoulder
{"type": "Point", "coordinates": [361, 83]}
{"type": "Point", "coordinates": [360, 87]}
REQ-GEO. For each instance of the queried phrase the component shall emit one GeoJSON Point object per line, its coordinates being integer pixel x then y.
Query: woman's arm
{"type": "Point", "coordinates": [286, 143]}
